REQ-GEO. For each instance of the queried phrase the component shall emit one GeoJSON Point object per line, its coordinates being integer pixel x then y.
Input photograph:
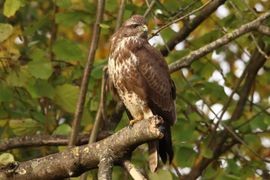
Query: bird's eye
{"type": "Point", "coordinates": [135, 25]}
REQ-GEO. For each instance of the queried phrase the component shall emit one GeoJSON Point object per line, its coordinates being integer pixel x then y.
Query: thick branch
{"type": "Point", "coordinates": [86, 73]}
{"type": "Point", "coordinates": [195, 55]}
{"type": "Point", "coordinates": [76, 160]}
{"type": "Point", "coordinates": [256, 62]}
{"type": "Point", "coordinates": [189, 27]}
{"type": "Point", "coordinates": [105, 168]}
{"type": "Point", "coordinates": [39, 140]}
{"type": "Point", "coordinates": [45, 140]}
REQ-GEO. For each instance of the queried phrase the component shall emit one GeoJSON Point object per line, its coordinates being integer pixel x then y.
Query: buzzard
{"type": "Point", "coordinates": [141, 79]}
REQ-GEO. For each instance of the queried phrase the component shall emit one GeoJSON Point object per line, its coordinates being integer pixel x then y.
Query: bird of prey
{"type": "Point", "coordinates": [141, 79]}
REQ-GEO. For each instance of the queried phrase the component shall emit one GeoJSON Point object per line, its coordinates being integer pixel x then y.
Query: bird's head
{"type": "Point", "coordinates": [135, 26]}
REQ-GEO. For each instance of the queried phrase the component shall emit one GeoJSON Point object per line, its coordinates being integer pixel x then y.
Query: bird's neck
{"type": "Point", "coordinates": [128, 42]}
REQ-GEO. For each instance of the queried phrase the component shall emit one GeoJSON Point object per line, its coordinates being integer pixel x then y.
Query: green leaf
{"type": "Point", "coordinates": [63, 3]}
{"type": "Point", "coordinates": [44, 89]}
{"type": "Point", "coordinates": [20, 78]}
{"type": "Point", "coordinates": [184, 131]}
{"type": "Point", "coordinates": [39, 67]}
{"type": "Point", "coordinates": [206, 38]}
{"type": "Point", "coordinates": [184, 156]}
{"type": "Point", "coordinates": [172, 5]}
{"type": "Point", "coordinates": [253, 141]}
{"type": "Point", "coordinates": [166, 34]}
{"type": "Point", "coordinates": [63, 129]}
{"type": "Point", "coordinates": [104, 26]}
{"type": "Point", "coordinates": [111, 5]}
{"type": "Point", "coordinates": [258, 122]}
{"type": "Point", "coordinates": [5, 93]}
{"type": "Point", "coordinates": [35, 26]}
{"type": "Point", "coordinates": [5, 31]}
{"type": "Point", "coordinates": [206, 152]}
{"type": "Point", "coordinates": [213, 88]}
{"type": "Point", "coordinates": [11, 6]}
{"type": "Point", "coordinates": [66, 97]}
{"type": "Point", "coordinates": [98, 69]}
{"type": "Point", "coordinates": [38, 116]}
{"type": "Point", "coordinates": [6, 158]}
{"type": "Point", "coordinates": [67, 50]}
{"type": "Point", "coordinates": [72, 18]}
{"type": "Point", "coordinates": [24, 126]}
{"type": "Point", "coordinates": [160, 175]}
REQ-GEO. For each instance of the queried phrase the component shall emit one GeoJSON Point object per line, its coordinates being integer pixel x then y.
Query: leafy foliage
{"type": "Point", "coordinates": [43, 49]}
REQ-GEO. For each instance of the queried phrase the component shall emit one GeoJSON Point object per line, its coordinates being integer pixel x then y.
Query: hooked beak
{"type": "Point", "coordinates": [145, 28]}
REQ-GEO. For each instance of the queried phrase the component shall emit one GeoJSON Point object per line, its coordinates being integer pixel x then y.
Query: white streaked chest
{"type": "Point", "coordinates": [119, 65]}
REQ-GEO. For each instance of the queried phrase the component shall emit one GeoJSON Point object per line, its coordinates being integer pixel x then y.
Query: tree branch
{"type": "Point", "coordinates": [132, 170]}
{"type": "Point", "coordinates": [105, 168]}
{"type": "Point", "coordinates": [76, 160]}
{"type": "Point", "coordinates": [195, 55]}
{"type": "Point", "coordinates": [39, 140]}
{"type": "Point", "coordinates": [256, 62]}
{"type": "Point", "coordinates": [99, 116]}
{"type": "Point", "coordinates": [86, 73]}
{"type": "Point", "coordinates": [179, 19]}
{"type": "Point", "coordinates": [58, 140]}
{"type": "Point", "coordinates": [189, 27]}
{"type": "Point", "coordinates": [120, 14]}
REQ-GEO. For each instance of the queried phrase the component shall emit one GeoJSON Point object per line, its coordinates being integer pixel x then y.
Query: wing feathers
{"type": "Point", "coordinates": [160, 87]}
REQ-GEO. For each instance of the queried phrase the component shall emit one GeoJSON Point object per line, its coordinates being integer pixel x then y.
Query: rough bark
{"type": "Point", "coordinates": [76, 160]}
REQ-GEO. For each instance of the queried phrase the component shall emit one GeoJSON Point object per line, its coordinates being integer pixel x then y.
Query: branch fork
{"type": "Point", "coordinates": [102, 154]}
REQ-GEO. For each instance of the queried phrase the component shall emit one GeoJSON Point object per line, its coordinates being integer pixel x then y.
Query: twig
{"type": "Point", "coordinates": [38, 140]}
{"type": "Point", "coordinates": [179, 19]}
{"type": "Point", "coordinates": [120, 14]}
{"type": "Point", "coordinates": [75, 160]}
{"type": "Point", "coordinates": [258, 47]}
{"type": "Point", "coordinates": [149, 9]}
{"type": "Point", "coordinates": [132, 170]}
{"type": "Point", "coordinates": [147, 3]}
{"type": "Point", "coordinates": [241, 141]}
{"type": "Point", "coordinates": [253, 118]}
{"type": "Point", "coordinates": [54, 29]}
{"type": "Point", "coordinates": [86, 73]}
{"type": "Point", "coordinates": [105, 168]}
{"type": "Point", "coordinates": [195, 55]}
{"type": "Point", "coordinates": [192, 25]}
{"type": "Point", "coordinates": [198, 94]}
{"type": "Point", "coordinates": [227, 104]}
{"type": "Point", "coordinates": [99, 116]}
{"type": "Point", "coordinates": [176, 170]}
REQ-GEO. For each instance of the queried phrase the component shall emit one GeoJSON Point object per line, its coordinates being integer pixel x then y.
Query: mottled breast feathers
{"type": "Point", "coordinates": [141, 78]}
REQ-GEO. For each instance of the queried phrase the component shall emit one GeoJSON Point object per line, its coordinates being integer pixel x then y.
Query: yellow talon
{"type": "Point", "coordinates": [132, 122]}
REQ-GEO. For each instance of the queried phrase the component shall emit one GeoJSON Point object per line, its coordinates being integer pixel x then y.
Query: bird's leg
{"type": "Point", "coordinates": [138, 118]}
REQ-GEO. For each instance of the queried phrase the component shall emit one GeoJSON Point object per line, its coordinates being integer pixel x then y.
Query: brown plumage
{"type": "Point", "coordinates": [141, 78]}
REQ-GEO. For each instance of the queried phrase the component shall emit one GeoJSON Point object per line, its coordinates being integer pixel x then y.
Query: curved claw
{"type": "Point", "coordinates": [132, 122]}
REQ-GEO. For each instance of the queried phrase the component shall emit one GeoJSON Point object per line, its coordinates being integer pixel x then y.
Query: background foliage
{"type": "Point", "coordinates": [43, 49]}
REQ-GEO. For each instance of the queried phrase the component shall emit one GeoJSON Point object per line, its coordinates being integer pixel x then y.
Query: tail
{"type": "Point", "coordinates": [162, 148]}
{"type": "Point", "coordinates": [153, 155]}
